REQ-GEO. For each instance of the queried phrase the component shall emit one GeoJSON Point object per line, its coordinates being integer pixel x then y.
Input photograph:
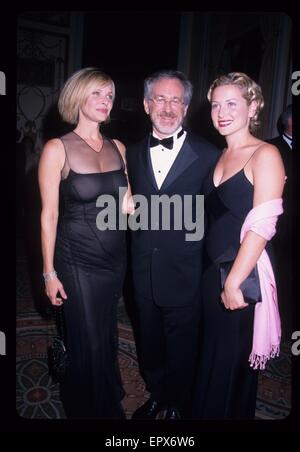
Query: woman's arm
{"type": "Point", "coordinates": [49, 174]}
{"type": "Point", "coordinates": [268, 180]}
{"type": "Point", "coordinates": [128, 203]}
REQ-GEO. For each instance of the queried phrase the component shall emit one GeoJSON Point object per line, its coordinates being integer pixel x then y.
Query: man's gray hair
{"type": "Point", "coordinates": [187, 85]}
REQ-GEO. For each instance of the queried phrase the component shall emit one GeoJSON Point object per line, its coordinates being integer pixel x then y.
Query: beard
{"type": "Point", "coordinates": [167, 123]}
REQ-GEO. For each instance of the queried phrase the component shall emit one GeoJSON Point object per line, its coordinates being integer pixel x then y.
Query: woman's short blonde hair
{"type": "Point", "coordinates": [74, 92]}
{"type": "Point", "coordinates": [251, 91]}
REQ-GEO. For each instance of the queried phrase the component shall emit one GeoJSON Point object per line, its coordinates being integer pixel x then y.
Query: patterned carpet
{"type": "Point", "coordinates": [37, 396]}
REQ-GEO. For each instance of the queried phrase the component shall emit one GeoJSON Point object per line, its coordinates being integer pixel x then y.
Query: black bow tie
{"type": "Point", "coordinates": [165, 142]}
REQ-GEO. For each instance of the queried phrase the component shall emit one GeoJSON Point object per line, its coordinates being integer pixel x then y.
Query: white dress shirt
{"type": "Point", "coordinates": [287, 139]}
{"type": "Point", "coordinates": [163, 158]}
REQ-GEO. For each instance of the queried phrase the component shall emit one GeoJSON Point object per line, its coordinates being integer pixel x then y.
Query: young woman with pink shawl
{"type": "Point", "coordinates": [243, 201]}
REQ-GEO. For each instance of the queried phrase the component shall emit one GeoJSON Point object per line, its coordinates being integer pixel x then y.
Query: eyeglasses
{"type": "Point", "coordinates": [161, 101]}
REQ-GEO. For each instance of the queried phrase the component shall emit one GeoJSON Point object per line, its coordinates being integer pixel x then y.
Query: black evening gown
{"type": "Point", "coordinates": [226, 385]}
{"type": "Point", "coordinates": [90, 264]}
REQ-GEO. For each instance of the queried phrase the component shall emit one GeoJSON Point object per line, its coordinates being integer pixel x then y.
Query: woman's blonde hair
{"type": "Point", "coordinates": [251, 91]}
{"type": "Point", "coordinates": [74, 91]}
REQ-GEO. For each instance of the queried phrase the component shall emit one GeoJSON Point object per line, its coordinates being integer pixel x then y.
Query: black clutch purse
{"type": "Point", "coordinates": [250, 287]}
{"type": "Point", "coordinates": [57, 352]}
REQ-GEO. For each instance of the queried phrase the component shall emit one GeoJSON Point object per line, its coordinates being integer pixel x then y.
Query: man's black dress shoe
{"type": "Point", "coordinates": [172, 413]}
{"type": "Point", "coordinates": [149, 410]}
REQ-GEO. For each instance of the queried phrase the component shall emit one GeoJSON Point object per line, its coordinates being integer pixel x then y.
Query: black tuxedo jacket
{"type": "Point", "coordinates": [165, 265]}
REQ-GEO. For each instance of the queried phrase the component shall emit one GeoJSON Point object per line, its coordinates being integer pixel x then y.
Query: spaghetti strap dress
{"type": "Point", "coordinates": [226, 385]}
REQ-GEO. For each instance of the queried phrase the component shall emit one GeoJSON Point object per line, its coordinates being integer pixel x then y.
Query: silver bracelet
{"type": "Point", "coordinates": [48, 276]}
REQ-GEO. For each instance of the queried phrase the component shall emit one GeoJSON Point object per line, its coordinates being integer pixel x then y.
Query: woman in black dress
{"type": "Point", "coordinates": [84, 265]}
{"type": "Point", "coordinates": [248, 174]}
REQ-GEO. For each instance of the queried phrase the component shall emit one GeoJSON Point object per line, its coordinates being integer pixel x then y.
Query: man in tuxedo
{"type": "Point", "coordinates": [166, 266]}
{"type": "Point", "coordinates": [282, 242]}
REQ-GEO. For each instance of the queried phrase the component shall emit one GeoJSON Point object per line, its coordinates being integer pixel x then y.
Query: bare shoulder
{"type": "Point", "coordinates": [266, 153]}
{"type": "Point", "coordinates": [268, 173]}
{"type": "Point", "coordinates": [266, 150]}
{"type": "Point", "coordinates": [120, 146]}
{"type": "Point", "coordinates": [53, 145]}
{"type": "Point", "coordinates": [53, 151]}
{"type": "Point", "coordinates": [268, 166]}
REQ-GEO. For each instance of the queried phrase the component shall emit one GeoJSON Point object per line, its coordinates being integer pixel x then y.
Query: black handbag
{"type": "Point", "coordinates": [250, 287]}
{"type": "Point", "coordinates": [57, 352]}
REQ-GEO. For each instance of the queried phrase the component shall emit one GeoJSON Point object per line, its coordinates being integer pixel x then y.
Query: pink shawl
{"type": "Point", "coordinates": [262, 220]}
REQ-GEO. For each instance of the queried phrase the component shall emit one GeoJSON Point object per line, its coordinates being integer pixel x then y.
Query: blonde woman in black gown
{"type": "Point", "coordinates": [83, 265]}
{"type": "Point", "coordinates": [249, 173]}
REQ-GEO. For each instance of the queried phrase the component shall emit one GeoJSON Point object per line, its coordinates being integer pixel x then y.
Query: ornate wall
{"type": "Point", "coordinates": [48, 51]}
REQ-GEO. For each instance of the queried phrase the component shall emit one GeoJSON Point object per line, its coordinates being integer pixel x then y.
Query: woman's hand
{"type": "Point", "coordinates": [128, 204]}
{"type": "Point", "coordinates": [52, 289]}
{"type": "Point", "coordinates": [232, 298]}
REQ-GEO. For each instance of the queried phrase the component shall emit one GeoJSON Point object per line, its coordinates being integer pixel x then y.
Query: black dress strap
{"type": "Point", "coordinates": [118, 151]}
{"type": "Point", "coordinates": [64, 172]}
{"type": "Point", "coordinates": [251, 157]}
